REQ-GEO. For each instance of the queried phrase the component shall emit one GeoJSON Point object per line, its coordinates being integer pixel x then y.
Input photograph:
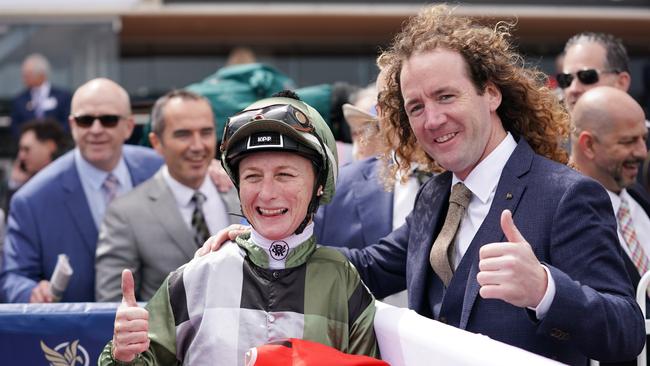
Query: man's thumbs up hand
{"type": "Point", "coordinates": [509, 271]}
{"type": "Point", "coordinates": [131, 324]}
{"type": "Point", "coordinates": [509, 229]}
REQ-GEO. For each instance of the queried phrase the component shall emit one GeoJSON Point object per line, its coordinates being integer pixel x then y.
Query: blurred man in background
{"type": "Point", "coordinates": [40, 99]}
{"type": "Point", "coordinates": [158, 226]}
{"type": "Point", "coordinates": [361, 117]}
{"type": "Point", "coordinates": [591, 60]}
{"type": "Point", "coordinates": [60, 209]}
{"type": "Point", "coordinates": [40, 143]}
{"type": "Point", "coordinates": [609, 146]}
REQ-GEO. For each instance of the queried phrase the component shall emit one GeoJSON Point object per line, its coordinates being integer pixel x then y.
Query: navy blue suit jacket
{"type": "Point", "coordinates": [22, 110]}
{"type": "Point", "coordinates": [361, 211]}
{"type": "Point", "coordinates": [567, 219]}
{"type": "Point", "coordinates": [50, 215]}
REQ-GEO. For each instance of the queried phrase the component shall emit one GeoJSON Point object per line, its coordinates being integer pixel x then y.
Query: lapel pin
{"type": "Point", "coordinates": [508, 196]}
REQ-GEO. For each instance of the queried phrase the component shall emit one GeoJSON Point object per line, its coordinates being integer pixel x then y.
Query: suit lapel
{"type": "Point", "coordinates": [77, 206]}
{"type": "Point", "coordinates": [375, 205]}
{"type": "Point", "coordinates": [135, 166]}
{"type": "Point", "coordinates": [510, 189]}
{"type": "Point", "coordinates": [430, 208]}
{"type": "Point", "coordinates": [165, 209]}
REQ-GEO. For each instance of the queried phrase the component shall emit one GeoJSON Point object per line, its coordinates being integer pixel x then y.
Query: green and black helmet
{"type": "Point", "coordinates": [283, 124]}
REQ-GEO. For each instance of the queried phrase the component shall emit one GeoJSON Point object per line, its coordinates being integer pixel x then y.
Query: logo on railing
{"type": "Point", "coordinates": [72, 354]}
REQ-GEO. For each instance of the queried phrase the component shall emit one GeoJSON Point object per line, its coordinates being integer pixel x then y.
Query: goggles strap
{"type": "Point", "coordinates": [323, 172]}
{"type": "Point", "coordinates": [311, 210]}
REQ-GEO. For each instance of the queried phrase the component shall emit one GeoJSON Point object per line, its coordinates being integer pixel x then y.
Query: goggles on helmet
{"type": "Point", "coordinates": [283, 113]}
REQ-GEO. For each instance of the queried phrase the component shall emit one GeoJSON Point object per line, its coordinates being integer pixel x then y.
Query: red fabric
{"type": "Point", "coordinates": [298, 352]}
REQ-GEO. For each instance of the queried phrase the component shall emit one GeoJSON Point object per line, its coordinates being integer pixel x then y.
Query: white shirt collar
{"type": "Point", "coordinates": [95, 177]}
{"type": "Point", "coordinates": [182, 193]}
{"type": "Point", "coordinates": [292, 240]}
{"type": "Point", "coordinates": [42, 90]}
{"type": "Point", "coordinates": [483, 179]}
{"type": "Point", "coordinates": [616, 198]}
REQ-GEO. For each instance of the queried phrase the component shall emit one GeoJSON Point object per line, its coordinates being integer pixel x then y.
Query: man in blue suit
{"type": "Point", "coordinates": [530, 255]}
{"type": "Point", "coordinates": [59, 210]}
{"type": "Point", "coordinates": [41, 99]}
{"type": "Point", "coordinates": [526, 252]}
{"type": "Point", "coordinates": [361, 211]}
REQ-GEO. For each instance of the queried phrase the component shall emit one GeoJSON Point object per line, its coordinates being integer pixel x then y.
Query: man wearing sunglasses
{"type": "Point", "coordinates": [596, 59]}
{"type": "Point", "coordinates": [591, 60]}
{"type": "Point", "coordinates": [59, 210]}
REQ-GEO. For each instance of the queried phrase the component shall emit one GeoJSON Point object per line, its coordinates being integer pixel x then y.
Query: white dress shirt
{"type": "Point", "coordinates": [404, 199]}
{"type": "Point", "coordinates": [483, 181]}
{"type": "Point", "coordinates": [214, 210]}
{"type": "Point", "coordinates": [639, 218]}
{"type": "Point", "coordinates": [92, 180]}
{"type": "Point", "coordinates": [40, 99]}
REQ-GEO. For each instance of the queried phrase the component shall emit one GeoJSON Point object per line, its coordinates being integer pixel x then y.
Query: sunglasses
{"type": "Point", "coordinates": [284, 113]}
{"type": "Point", "coordinates": [586, 77]}
{"type": "Point", "coordinates": [107, 120]}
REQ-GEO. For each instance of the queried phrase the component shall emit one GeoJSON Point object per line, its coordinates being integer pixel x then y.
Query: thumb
{"type": "Point", "coordinates": [509, 229]}
{"type": "Point", "coordinates": [128, 288]}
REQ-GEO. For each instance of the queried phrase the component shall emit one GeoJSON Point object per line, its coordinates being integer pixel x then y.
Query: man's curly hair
{"type": "Point", "coordinates": [528, 108]}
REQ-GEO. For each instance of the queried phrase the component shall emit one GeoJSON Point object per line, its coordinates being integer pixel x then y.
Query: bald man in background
{"type": "Point", "coordinates": [609, 145]}
{"type": "Point", "coordinates": [60, 209]}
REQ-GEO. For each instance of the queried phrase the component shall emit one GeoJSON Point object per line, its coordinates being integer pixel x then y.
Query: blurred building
{"type": "Point", "coordinates": [150, 46]}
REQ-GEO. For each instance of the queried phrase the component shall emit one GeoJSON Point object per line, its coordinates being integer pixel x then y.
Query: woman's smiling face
{"type": "Point", "coordinates": [275, 189]}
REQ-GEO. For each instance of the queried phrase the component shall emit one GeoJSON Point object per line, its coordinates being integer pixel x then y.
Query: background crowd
{"type": "Point", "coordinates": [556, 164]}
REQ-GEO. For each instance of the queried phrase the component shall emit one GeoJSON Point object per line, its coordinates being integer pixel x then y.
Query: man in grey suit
{"type": "Point", "coordinates": [158, 226]}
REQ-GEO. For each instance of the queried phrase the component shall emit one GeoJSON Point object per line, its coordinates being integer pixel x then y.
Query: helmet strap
{"type": "Point", "coordinates": [311, 209]}
{"type": "Point", "coordinates": [315, 196]}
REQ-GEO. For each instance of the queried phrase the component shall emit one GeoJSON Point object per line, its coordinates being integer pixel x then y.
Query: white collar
{"type": "Point", "coordinates": [41, 90]}
{"type": "Point", "coordinates": [483, 179]}
{"type": "Point", "coordinates": [182, 193]}
{"type": "Point", "coordinates": [292, 242]}
{"type": "Point", "coordinates": [96, 177]}
{"type": "Point", "coordinates": [616, 198]}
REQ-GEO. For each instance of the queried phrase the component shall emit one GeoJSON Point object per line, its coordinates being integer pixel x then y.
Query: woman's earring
{"type": "Point", "coordinates": [320, 191]}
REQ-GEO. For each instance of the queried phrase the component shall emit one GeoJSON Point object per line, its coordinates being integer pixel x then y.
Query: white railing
{"type": "Point", "coordinates": [408, 339]}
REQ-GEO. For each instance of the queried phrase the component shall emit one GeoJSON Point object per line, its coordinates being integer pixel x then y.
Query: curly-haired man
{"type": "Point", "coordinates": [526, 249]}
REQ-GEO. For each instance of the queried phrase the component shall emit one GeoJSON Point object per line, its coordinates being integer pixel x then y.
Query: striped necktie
{"type": "Point", "coordinates": [199, 226]}
{"type": "Point", "coordinates": [626, 226]}
{"type": "Point", "coordinates": [110, 187]}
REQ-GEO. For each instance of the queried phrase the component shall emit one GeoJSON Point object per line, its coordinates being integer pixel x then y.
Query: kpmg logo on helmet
{"type": "Point", "coordinates": [66, 354]}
